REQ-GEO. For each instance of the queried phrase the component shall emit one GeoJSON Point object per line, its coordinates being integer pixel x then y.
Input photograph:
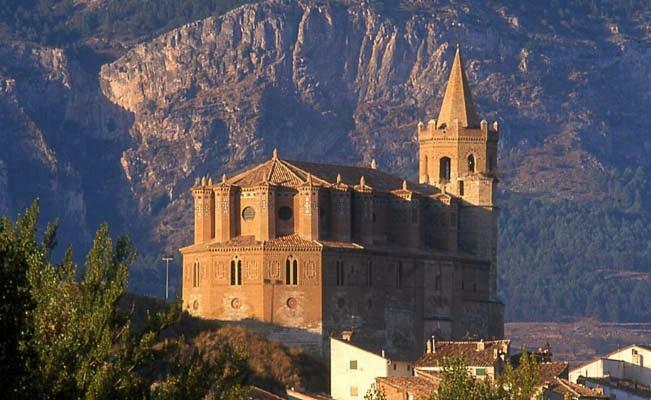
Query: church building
{"type": "Point", "coordinates": [321, 248]}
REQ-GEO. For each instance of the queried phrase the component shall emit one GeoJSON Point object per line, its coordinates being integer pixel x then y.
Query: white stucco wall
{"type": "Point", "coordinates": [369, 367]}
{"type": "Point", "coordinates": [621, 364]}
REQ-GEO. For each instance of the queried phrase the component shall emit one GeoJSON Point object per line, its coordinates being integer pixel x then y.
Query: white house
{"type": "Point", "coordinates": [632, 363]}
{"type": "Point", "coordinates": [354, 367]}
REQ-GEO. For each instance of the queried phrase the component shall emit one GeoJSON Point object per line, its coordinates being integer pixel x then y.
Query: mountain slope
{"type": "Point", "coordinates": [348, 82]}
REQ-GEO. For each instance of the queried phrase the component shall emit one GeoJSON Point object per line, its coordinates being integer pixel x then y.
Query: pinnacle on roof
{"type": "Point", "coordinates": [457, 102]}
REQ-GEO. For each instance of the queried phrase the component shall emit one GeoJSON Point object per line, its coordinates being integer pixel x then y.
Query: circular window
{"type": "Point", "coordinates": [236, 304]}
{"type": "Point", "coordinates": [285, 213]}
{"type": "Point", "coordinates": [292, 302]}
{"type": "Point", "coordinates": [248, 213]}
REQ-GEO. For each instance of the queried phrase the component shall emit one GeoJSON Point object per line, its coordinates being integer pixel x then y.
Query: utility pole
{"type": "Point", "coordinates": [167, 260]}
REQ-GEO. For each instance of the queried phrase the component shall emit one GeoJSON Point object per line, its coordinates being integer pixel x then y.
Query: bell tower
{"type": "Point", "coordinates": [458, 154]}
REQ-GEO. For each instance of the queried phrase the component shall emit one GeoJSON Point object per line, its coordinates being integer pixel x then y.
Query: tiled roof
{"type": "Point", "coordinates": [565, 387]}
{"type": "Point", "coordinates": [259, 394]}
{"type": "Point", "coordinates": [417, 386]}
{"type": "Point", "coordinates": [293, 240]}
{"type": "Point", "coordinates": [295, 173]}
{"type": "Point", "coordinates": [552, 370]}
{"type": "Point", "coordinates": [469, 350]}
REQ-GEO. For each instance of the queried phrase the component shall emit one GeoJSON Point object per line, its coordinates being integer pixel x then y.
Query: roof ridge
{"type": "Point", "coordinates": [288, 164]}
{"type": "Point", "coordinates": [234, 179]}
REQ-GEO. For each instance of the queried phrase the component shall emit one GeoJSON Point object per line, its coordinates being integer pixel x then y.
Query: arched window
{"type": "Point", "coordinates": [340, 273]}
{"type": "Point", "coordinates": [444, 168]}
{"type": "Point", "coordinates": [196, 270]}
{"type": "Point", "coordinates": [426, 166]}
{"type": "Point", "coordinates": [291, 271]}
{"type": "Point", "coordinates": [236, 272]}
{"type": "Point", "coordinates": [471, 163]}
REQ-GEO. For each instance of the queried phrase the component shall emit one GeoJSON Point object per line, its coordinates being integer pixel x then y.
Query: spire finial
{"type": "Point", "coordinates": [373, 164]}
{"type": "Point", "coordinates": [404, 184]}
{"type": "Point", "coordinates": [210, 181]}
{"type": "Point", "coordinates": [457, 101]}
{"type": "Point", "coordinates": [274, 154]}
{"type": "Point", "coordinates": [338, 179]}
{"type": "Point", "coordinates": [223, 178]}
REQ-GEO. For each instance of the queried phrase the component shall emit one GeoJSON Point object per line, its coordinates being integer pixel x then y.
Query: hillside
{"type": "Point", "coordinates": [343, 82]}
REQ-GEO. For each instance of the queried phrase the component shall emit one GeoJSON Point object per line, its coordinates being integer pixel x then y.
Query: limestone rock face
{"type": "Point", "coordinates": [345, 83]}
{"type": "Point", "coordinates": [57, 137]}
{"type": "Point", "coordinates": [341, 82]}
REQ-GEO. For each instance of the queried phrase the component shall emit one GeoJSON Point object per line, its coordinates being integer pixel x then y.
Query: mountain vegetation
{"type": "Point", "coordinates": [568, 80]}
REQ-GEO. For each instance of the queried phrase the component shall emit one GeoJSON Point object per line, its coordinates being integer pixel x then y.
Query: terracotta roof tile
{"type": "Point", "coordinates": [563, 386]}
{"type": "Point", "coordinates": [469, 350]}
{"type": "Point", "coordinates": [417, 386]}
{"type": "Point", "coordinates": [295, 173]}
{"type": "Point", "coordinates": [552, 370]}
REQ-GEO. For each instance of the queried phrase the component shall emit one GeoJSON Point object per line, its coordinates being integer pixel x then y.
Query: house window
{"type": "Point", "coordinates": [353, 364]}
{"type": "Point", "coordinates": [354, 391]}
{"type": "Point", "coordinates": [461, 188]}
{"type": "Point", "coordinates": [291, 271]}
{"type": "Point", "coordinates": [196, 273]}
{"type": "Point", "coordinates": [444, 168]}
{"type": "Point", "coordinates": [480, 372]}
{"type": "Point", "coordinates": [471, 163]}
{"type": "Point", "coordinates": [394, 366]}
{"type": "Point", "coordinates": [236, 272]}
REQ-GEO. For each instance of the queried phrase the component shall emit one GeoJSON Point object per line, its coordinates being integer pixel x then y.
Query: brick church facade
{"type": "Point", "coordinates": [321, 248]}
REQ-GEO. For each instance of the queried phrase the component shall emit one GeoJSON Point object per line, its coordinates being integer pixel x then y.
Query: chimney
{"type": "Point", "coordinates": [481, 346]}
{"type": "Point", "coordinates": [347, 335]}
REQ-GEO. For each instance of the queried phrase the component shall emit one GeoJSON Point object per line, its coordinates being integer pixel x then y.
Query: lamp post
{"type": "Point", "coordinates": [167, 260]}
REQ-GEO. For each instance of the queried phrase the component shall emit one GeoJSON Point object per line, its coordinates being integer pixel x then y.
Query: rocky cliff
{"type": "Point", "coordinates": [327, 81]}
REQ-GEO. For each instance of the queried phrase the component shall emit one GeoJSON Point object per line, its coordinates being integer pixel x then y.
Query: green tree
{"type": "Point", "coordinates": [523, 382]}
{"type": "Point", "coordinates": [71, 338]}
{"type": "Point", "coordinates": [457, 382]}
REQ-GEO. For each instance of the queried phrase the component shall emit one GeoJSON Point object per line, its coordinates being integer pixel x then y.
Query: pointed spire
{"type": "Point", "coordinates": [373, 164]}
{"type": "Point", "coordinates": [362, 181]}
{"type": "Point", "coordinates": [224, 178]}
{"type": "Point", "coordinates": [457, 102]}
{"type": "Point", "coordinates": [209, 181]}
{"type": "Point", "coordinates": [404, 185]}
{"type": "Point", "coordinates": [274, 154]}
{"type": "Point", "coordinates": [338, 179]}
{"type": "Point", "coordinates": [203, 181]}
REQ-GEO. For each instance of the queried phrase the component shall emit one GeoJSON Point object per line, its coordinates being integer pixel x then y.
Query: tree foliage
{"type": "Point", "coordinates": [69, 337]}
{"type": "Point", "coordinates": [521, 383]}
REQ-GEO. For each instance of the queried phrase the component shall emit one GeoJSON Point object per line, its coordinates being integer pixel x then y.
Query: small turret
{"type": "Point", "coordinates": [373, 164]}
